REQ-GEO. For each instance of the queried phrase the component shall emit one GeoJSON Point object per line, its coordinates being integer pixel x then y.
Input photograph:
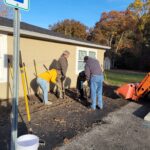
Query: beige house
{"type": "Point", "coordinates": [44, 47]}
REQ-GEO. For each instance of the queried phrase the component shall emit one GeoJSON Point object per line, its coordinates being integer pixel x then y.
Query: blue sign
{"type": "Point", "coordinates": [22, 4]}
{"type": "Point", "coordinates": [20, 1]}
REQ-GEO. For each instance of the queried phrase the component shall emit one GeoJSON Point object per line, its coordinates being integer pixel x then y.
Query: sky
{"type": "Point", "coordinates": [48, 12]}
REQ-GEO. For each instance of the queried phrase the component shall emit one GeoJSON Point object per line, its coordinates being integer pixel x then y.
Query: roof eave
{"type": "Point", "coordinates": [53, 38]}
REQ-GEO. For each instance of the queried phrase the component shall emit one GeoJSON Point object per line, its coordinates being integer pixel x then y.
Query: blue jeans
{"type": "Point", "coordinates": [44, 86]}
{"type": "Point", "coordinates": [96, 85]}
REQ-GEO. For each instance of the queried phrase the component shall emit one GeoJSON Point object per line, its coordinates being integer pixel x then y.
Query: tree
{"type": "Point", "coordinates": [127, 33]}
{"type": "Point", "coordinates": [141, 10]}
{"type": "Point", "coordinates": [147, 32]}
{"type": "Point", "coordinates": [97, 36]}
{"type": "Point", "coordinates": [137, 7]}
{"type": "Point", "coordinates": [146, 6]}
{"type": "Point", "coordinates": [5, 11]}
{"type": "Point", "coordinates": [116, 26]}
{"type": "Point", "coordinates": [70, 28]}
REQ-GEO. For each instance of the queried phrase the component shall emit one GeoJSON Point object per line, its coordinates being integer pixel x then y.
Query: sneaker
{"type": "Point", "coordinates": [48, 103]}
{"type": "Point", "coordinates": [100, 108]}
{"type": "Point", "coordinates": [90, 108]}
{"type": "Point", "coordinates": [61, 97]}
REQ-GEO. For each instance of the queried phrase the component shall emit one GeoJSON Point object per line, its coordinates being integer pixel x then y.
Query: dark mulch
{"type": "Point", "coordinates": [60, 122]}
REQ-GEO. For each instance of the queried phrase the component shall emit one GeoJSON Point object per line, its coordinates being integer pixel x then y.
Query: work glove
{"type": "Point", "coordinates": [85, 83]}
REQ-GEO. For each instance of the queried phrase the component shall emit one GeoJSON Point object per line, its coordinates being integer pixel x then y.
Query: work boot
{"type": "Point", "coordinates": [48, 103]}
{"type": "Point", "coordinates": [99, 107]}
{"type": "Point", "coordinates": [60, 96]}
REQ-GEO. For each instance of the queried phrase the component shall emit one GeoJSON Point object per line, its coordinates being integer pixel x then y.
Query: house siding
{"type": "Point", "coordinates": [43, 52]}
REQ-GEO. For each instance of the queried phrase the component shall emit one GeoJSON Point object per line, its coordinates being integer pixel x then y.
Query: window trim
{"type": "Point", "coordinates": [3, 79]}
{"type": "Point", "coordinates": [77, 55]}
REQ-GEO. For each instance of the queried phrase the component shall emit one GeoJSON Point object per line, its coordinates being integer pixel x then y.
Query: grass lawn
{"type": "Point", "coordinates": [119, 77]}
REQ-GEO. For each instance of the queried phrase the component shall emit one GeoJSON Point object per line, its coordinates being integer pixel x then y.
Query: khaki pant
{"type": "Point", "coordinates": [86, 90]}
{"type": "Point", "coordinates": [59, 88]}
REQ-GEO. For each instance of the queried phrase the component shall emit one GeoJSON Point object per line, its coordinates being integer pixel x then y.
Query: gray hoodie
{"type": "Point", "coordinates": [92, 67]}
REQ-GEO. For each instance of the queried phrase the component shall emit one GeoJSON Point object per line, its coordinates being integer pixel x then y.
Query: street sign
{"type": "Point", "coordinates": [21, 1]}
{"type": "Point", "coordinates": [21, 4]}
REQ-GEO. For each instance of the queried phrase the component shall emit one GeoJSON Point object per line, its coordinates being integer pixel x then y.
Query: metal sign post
{"type": "Point", "coordinates": [17, 4]}
{"type": "Point", "coordinates": [14, 114]}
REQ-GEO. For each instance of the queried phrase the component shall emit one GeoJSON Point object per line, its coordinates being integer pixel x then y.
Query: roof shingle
{"type": "Point", "coordinates": [28, 27]}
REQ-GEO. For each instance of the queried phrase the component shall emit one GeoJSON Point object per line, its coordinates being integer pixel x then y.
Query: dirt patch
{"type": "Point", "coordinates": [58, 123]}
{"type": "Point", "coordinates": [122, 131]}
{"type": "Point", "coordinates": [109, 91]}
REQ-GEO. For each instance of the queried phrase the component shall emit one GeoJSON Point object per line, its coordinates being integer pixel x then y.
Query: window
{"type": "Point", "coordinates": [3, 58]}
{"type": "Point", "coordinates": [81, 53]}
{"type": "Point", "coordinates": [92, 54]}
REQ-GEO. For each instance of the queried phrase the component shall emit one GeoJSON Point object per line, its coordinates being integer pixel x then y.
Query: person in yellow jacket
{"type": "Point", "coordinates": [43, 81]}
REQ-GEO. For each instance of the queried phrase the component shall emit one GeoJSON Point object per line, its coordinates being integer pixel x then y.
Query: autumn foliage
{"type": "Point", "coordinates": [115, 26]}
{"type": "Point", "coordinates": [126, 32]}
{"type": "Point", "coordinates": [70, 28]}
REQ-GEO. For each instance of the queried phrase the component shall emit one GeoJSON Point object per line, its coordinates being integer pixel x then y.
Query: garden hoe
{"type": "Point", "coordinates": [35, 68]}
{"type": "Point", "coordinates": [63, 90]}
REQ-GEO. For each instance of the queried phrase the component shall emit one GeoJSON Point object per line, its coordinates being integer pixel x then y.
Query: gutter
{"type": "Point", "coordinates": [51, 37]}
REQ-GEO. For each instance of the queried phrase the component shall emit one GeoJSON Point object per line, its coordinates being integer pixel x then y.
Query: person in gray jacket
{"type": "Point", "coordinates": [62, 66]}
{"type": "Point", "coordinates": [63, 63]}
{"type": "Point", "coordinates": [94, 74]}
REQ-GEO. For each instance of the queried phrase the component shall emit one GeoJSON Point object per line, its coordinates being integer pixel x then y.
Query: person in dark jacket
{"type": "Point", "coordinates": [83, 90]}
{"type": "Point", "coordinates": [80, 80]}
{"type": "Point", "coordinates": [62, 66]}
{"type": "Point", "coordinates": [94, 74]}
